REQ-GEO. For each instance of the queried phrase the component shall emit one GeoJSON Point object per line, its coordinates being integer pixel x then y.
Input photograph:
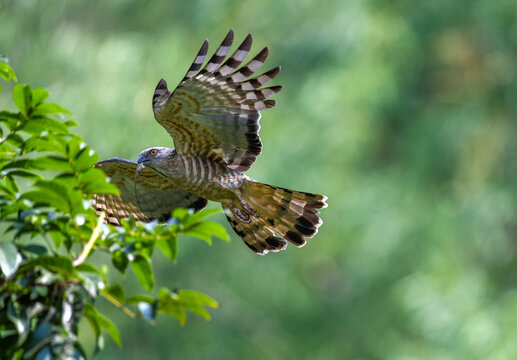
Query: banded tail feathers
{"type": "Point", "coordinates": [269, 216]}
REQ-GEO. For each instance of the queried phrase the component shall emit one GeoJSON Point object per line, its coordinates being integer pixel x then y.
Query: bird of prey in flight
{"type": "Point", "coordinates": [213, 118]}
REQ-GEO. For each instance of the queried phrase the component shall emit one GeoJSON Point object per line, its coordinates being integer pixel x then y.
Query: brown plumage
{"type": "Point", "coordinates": [282, 214]}
{"type": "Point", "coordinates": [213, 117]}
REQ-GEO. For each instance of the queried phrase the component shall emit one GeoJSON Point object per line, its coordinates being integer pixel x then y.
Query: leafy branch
{"type": "Point", "coordinates": [46, 181]}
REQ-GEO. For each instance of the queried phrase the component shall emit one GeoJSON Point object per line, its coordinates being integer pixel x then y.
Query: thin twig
{"type": "Point", "coordinates": [89, 245]}
{"type": "Point", "coordinates": [118, 304]}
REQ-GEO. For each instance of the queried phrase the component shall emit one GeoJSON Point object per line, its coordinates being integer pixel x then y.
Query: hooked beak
{"type": "Point", "coordinates": [142, 159]}
{"type": "Point", "coordinates": [142, 162]}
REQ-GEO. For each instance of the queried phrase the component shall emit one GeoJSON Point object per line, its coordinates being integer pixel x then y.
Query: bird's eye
{"type": "Point", "coordinates": [153, 152]}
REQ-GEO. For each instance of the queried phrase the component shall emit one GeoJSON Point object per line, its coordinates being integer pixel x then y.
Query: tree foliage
{"type": "Point", "coordinates": [402, 112]}
{"type": "Point", "coordinates": [47, 284]}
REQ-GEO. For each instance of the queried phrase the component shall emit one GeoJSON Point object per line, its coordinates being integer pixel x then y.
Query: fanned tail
{"type": "Point", "coordinates": [269, 216]}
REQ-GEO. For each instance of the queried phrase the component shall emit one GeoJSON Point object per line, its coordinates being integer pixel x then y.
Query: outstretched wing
{"type": "Point", "coordinates": [215, 111]}
{"type": "Point", "coordinates": [146, 196]}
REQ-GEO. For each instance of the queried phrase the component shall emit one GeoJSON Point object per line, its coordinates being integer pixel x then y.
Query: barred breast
{"type": "Point", "coordinates": [206, 177]}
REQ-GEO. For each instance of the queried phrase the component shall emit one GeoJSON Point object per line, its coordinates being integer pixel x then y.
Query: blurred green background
{"type": "Point", "coordinates": [403, 113]}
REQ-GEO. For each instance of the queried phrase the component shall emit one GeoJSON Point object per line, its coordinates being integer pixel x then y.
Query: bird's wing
{"type": "Point", "coordinates": [215, 110]}
{"type": "Point", "coordinates": [146, 196]}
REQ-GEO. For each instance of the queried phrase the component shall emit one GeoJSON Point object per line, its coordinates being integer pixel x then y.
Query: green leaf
{"type": "Point", "coordinates": [90, 313]}
{"type": "Point", "coordinates": [38, 96]}
{"type": "Point", "coordinates": [92, 175]}
{"type": "Point", "coordinates": [101, 187]}
{"type": "Point", "coordinates": [144, 273]}
{"type": "Point", "coordinates": [199, 234]}
{"type": "Point", "coordinates": [6, 189]}
{"type": "Point", "coordinates": [7, 72]}
{"type": "Point", "coordinates": [89, 268]}
{"type": "Point", "coordinates": [50, 108]}
{"type": "Point", "coordinates": [213, 228]}
{"type": "Point", "coordinates": [14, 139]}
{"type": "Point", "coordinates": [53, 186]}
{"type": "Point", "coordinates": [22, 173]}
{"type": "Point", "coordinates": [85, 159]}
{"type": "Point", "coordinates": [120, 261]}
{"type": "Point", "coordinates": [175, 304]}
{"type": "Point", "coordinates": [52, 162]}
{"type": "Point", "coordinates": [195, 306]}
{"type": "Point", "coordinates": [73, 145]}
{"type": "Point", "coordinates": [42, 144]}
{"type": "Point", "coordinates": [52, 194]}
{"type": "Point", "coordinates": [168, 304]}
{"type": "Point", "coordinates": [68, 181]}
{"type": "Point", "coordinates": [110, 328]}
{"type": "Point", "coordinates": [21, 164]}
{"type": "Point", "coordinates": [200, 215]}
{"type": "Point", "coordinates": [59, 264]}
{"type": "Point", "coordinates": [98, 321]}
{"type": "Point", "coordinates": [39, 124]}
{"type": "Point", "coordinates": [9, 258]}
{"type": "Point", "coordinates": [46, 199]}
{"type": "Point", "coordinates": [197, 297]}
{"type": "Point", "coordinates": [6, 152]}
{"type": "Point", "coordinates": [37, 250]}
{"type": "Point", "coordinates": [11, 118]}
{"type": "Point", "coordinates": [9, 181]}
{"type": "Point", "coordinates": [206, 229]}
{"type": "Point", "coordinates": [22, 98]}
{"type": "Point", "coordinates": [57, 238]}
{"type": "Point", "coordinates": [169, 247]}
{"type": "Point", "coordinates": [71, 123]}
{"type": "Point", "coordinates": [116, 291]}
{"type": "Point", "coordinates": [180, 214]}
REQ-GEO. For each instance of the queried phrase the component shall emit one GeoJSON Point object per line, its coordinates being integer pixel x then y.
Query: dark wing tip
{"type": "Point", "coordinates": [199, 204]}
{"type": "Point", "coordinates": [269, 103]}
{"type": "Point", "coordinates": [204, 48]}
{"type": "Point", "coordinates": [229, 38]}
{"type": "Point", "coordinates": [276, 88]}
{"type": "Point", "coordinates": [263, 54]}
{"type": "Point", "coordinates": [273, 72]}
{"type": "Point", "coordinates": [318, 201]}
{"type": "Point", "coordinates": [323, 202]}
{"type": "Point", "coordinates": [162, 85]}
{"type": "Point", "coordinates": [246, 44]}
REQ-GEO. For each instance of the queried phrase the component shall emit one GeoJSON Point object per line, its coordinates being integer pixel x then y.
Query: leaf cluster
{"type": "Point", "coordinates": [47, 284]}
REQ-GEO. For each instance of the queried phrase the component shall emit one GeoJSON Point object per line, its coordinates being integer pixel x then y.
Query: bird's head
{"type": "Point", "coordinates": [156, 157]}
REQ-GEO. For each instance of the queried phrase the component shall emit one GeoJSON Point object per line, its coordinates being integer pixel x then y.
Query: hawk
{"type": "Point", "coordinates": [213, 118]}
